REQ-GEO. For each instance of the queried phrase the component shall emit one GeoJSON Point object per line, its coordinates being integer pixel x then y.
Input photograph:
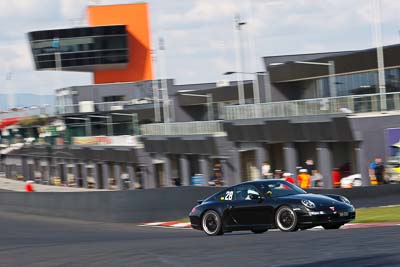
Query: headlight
{"type": "Point", "coordinates": [194, 210]}
{"type": "Point", "coordinates": [308, 203]}
{"type": "Point", "coordinates": [345, 200]}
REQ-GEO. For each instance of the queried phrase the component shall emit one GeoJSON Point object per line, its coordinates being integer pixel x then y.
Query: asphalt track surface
{"type": "Point", "coordinates": [28, 240]}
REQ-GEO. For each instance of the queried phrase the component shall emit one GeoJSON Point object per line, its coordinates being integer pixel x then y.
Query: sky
{"type": "Point", "coordinates": [199, 34]}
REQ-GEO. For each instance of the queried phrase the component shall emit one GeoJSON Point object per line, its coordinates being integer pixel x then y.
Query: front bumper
{"type": "Point", "coordinates": [311, 217]}
{"type": "Point", "coordinates": [195, 223]}
{"type": "Point", "coordinates": [195, 220]}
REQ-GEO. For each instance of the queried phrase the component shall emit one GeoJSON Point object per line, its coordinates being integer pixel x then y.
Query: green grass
{"type": "Point", "coordinates": [184, 220]}
{"type": "Point", "coordinates": [382, 214]}
{"type": "Point", "coordinates": [367, 215]}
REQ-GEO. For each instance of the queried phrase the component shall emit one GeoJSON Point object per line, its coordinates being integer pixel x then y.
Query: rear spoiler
{"type": "Point", "coordinates": [200, 201]}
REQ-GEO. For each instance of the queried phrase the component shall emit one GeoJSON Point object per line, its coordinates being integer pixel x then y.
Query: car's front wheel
{"type": "Point", "coordinates": [212, 224]}
{"type": "Point", "coordinates": [286, 219]}
{"type": "Point", "coordinates": [332, 226]}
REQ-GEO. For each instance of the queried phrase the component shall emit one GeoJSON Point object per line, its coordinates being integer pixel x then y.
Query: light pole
{"type": "Point", "coordinates": [164, 81]}
{"type": "Point", "coordinates": [379, 52]}
{"type": "Point", "coordinates": [256, 87]}
{"type": "Point", "coordinates": [331, 69]}
{"type": "Point", "coordinates": [155, 87]}
{"type": "Point", "coordinates": [88, 129]}
{"type": "Point", "coordinates": [11, 95]}
{"type": "Point", "coordinates": [238, 26]}
{"type": "Point", "coordinates": [210, 111]}
{"type": "Point", "coordinates": [110, 130]}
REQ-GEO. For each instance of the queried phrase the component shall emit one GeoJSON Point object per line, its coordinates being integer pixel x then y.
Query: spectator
{"type": "Point", "coordinates": [139, 179]}
{"type": "Point", "coordinates": [345, 170]}
{"type": "Point", "coordinates": [316, 179]}
{"type": "Point", "coordinates": [288, 177]}
{"type": "Point", "coordinates": [304, 179]}
{"type": "Point", "coordinates": [336, 176]}
{"type": "Point", "coordinates": [177, 181]}
{"type": "Point", "coordinates": [377, 171]}
{"type": "Point", "coordinates": [254, 173]}
{"type": "Point", "coordinates": [310, 166]}
{"type": "Point", "coordinates": [218, 175]}
{"type": "Point", "coordinates": [266, 170]}
{"type": "Point", "coordinates": [38, 176]}
{"type": "Point", "coordinates": [29, 186]}
{"type": "Point", "coordinates": [278, 174]}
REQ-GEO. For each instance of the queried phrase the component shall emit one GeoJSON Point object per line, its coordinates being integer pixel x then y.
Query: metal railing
{"type": "Point", "coordinates": [66, 109]}
{"type": "Point", "coordinates": [316, 106]}
{"type": "Point", "coordinates": [100, 107]}
{"type": "Point", "coordinates": [97, 107]}
{"type": "Point", "coordinates": [37, 111]}
{"type": "Point", "coordinates": [306, 107]}
{"type": "Point", "coordinates": [183, 128]}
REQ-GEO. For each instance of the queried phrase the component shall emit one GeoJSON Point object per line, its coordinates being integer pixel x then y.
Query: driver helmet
{"type": "Point", "coordinates": [250, 191]}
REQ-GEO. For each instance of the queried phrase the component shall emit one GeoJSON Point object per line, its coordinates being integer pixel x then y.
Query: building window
{"type": "Point", "coordinates": [114, 98]}
{"type": "Point", "coordinates": [359, 83]}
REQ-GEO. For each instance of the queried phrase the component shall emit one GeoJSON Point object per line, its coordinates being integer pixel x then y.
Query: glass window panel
{"type": "Point", "coordinates": [75, 51]}
{"type": "Point", "coordinates": [364, 79]}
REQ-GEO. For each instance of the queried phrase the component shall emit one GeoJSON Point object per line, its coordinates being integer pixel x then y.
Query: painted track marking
{"type": "Point", "coordinates": [186, 226]}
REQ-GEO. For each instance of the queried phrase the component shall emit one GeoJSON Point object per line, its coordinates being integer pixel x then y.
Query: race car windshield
{"type": "Point", "coordinates": [281, 188]}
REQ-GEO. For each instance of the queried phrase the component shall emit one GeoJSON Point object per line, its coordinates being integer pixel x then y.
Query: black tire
{"type": "Point", "coordinates": [331, 226]}
{"type": "Point", "coordinates": [259, 231]}
{"type": "Point", "coordinates": [286, 219]}
{"type": "Point", "coordinates": [212, 223]}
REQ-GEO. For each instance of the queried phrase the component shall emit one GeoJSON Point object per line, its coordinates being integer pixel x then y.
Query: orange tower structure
{"type": "Point", "coordinates": [136, 19]}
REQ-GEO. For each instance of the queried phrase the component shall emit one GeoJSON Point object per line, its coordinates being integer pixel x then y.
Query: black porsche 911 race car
{"type": "Point", "coordinates": [265, 204]}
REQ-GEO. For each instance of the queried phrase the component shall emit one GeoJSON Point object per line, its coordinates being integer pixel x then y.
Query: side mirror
{"type": "Point", "coordinates": [269, 193]}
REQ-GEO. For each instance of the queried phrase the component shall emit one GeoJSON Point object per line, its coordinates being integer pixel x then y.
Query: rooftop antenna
{"type": "Point", "coordinates": [164, 79]}
{"type": "Point", "coordinates": [239, 23]}
{"type": "Point", "coordinates": [155, 87]}
{"type": "Point", "coordinates": [377, 30]}
{"type": "Point", "coordinates": [11, 96]}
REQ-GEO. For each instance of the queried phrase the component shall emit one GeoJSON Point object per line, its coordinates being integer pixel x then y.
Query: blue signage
{"type": "Point", "coordinates": [56, 43]}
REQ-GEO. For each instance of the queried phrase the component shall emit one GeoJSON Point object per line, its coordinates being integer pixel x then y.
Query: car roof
{"type": "Point", "coordinates": [247, 182]}
{"type": "Point", "coordinates": [261, 181]}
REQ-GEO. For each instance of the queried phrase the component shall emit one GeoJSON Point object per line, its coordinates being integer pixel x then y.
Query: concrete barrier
{"type": "Point", "coordinates": [153, 204]}
{"type": "Point", "coordinates": [119, 206]}
{"type": "Point", "coordinates": [367, 196]}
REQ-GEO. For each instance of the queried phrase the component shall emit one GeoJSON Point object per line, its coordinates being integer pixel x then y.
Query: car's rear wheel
{"type": "Point", "coordinates": [332, 226]}
{"type": "Point", "coordinates": [259, 231]}
{"type": "Point", "coordinates": [212, 224]}
{"type": "Point", "coordinates": [286, 219]}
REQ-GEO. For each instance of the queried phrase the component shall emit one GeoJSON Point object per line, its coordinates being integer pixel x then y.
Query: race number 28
{"type": "Point", "coordinates": [229, 195]}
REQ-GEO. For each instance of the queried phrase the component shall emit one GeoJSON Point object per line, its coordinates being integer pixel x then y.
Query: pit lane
{"type": "Point", "coordinates": [28, 240]}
